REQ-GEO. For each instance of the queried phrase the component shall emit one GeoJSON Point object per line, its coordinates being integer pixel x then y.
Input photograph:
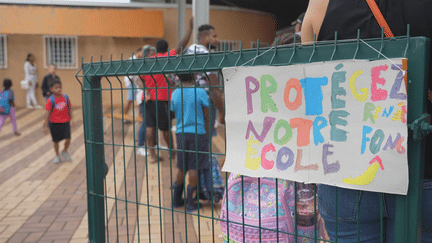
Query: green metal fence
{"type": "Point", "coordinates": [132, 203]}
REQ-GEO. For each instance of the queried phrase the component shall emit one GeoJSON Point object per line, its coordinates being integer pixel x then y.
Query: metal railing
{"type": "Point", "coordinates": [101, 78]}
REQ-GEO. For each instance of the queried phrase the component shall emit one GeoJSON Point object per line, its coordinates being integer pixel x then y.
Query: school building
{"type": "Point", "coordinates": [63, 33]}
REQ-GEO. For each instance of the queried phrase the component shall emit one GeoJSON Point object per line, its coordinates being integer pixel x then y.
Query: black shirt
{"type": "Point", "coordinates": [346, 16]}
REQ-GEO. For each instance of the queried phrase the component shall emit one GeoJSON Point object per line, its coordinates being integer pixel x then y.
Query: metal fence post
{"type": "Point", "coordinates": [95, 159]}
{"type": "Point", "coordinates": [408, 213]}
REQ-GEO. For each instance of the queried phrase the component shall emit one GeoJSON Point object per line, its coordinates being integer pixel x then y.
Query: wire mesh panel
{"type": "Point", "coordinates": [132, 182]}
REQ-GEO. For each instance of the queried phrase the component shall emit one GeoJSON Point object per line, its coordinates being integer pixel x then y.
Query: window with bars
{"type": "Point", "coordinates": [61, 51]}
{"type": "Point", "coordinates": [253, 44]}
{"type": "Point", "coordinates": [230, 45]}
{"type": "Point", "coordinates": [3, 51]}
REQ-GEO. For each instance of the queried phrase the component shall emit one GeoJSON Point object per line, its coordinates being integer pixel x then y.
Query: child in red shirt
{"type": "Point", "coordinates": [58, 119]}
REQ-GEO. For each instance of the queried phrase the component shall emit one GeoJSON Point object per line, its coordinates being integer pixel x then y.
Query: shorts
{"type": "Point", "coordinates": [163, 120]}
{"type": "Point", "coordinates": [60, 131]}
{"type": "Point", "coordinates": [189, 158]}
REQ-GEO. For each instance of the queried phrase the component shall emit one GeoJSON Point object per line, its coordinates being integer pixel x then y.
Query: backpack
{"type": "Point", "coordinates": [52, 99]}
{"type": "Point", "coordinates": [4, 102]}
{"type": "Point", "coordinates": [217, 185]}
{"type": "Point", "coordinates": [233, 211]}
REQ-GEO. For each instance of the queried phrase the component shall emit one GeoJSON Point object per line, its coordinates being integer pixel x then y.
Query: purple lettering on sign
{"type": "Point", "coordinates": [249, 92]}
{"type": "Point", "coordinates": [329, 168]}
{"type": "Point", "coordinates": [268, 121]}
{"type": "Point", "coordinates": [397, 84]}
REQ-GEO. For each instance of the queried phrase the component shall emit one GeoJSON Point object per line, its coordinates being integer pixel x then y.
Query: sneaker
{"type": "Point", "coordinates": [66, 156]}
{"type": "Point", "coordinates": [141, 151]}
{"type": "Point", "coordinates": [30, 107]}
{"type": "Point", "coordinates": [57, 160]}
{"type": "Point", "coordinates": [38, 107]}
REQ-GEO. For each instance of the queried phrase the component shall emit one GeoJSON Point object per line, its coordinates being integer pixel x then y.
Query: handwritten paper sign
{"type": "Point", "coordinates": [337, 123]}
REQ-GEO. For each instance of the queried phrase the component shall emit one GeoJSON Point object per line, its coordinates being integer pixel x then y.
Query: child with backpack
{"type": "Point", "coordinates": [59, 119]}
{"type": "Point", "coordinates": [191, 111]}
{"type": "Point", "coordinates": [7, 106]}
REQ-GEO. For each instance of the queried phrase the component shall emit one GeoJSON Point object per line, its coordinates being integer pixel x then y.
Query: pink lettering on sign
{"type": "Point", "coordinates": [265, 163]}
{"type": "Point", "coordinates": [399, 115]}
{"type": "Point", "coordinates": [378, 94]}
{"type": "Point", "coordinates": [379, 160]}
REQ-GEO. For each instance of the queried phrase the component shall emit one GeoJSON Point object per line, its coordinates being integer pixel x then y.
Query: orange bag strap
{"type": "Point", "coordinates": [380, 18]}
{"type": "Point", "coordinates": [388, 33]}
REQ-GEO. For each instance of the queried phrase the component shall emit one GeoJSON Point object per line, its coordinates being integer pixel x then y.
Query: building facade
{"type": "Point", "coordinates": [65, 34]}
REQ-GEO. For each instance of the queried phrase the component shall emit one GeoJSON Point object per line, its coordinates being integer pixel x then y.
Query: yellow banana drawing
{"type": "Point", "coordinates": [368, 176]}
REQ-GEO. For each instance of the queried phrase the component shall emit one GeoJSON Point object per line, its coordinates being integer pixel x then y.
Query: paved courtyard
{"type": "Point", "coordinates": [45, 202]}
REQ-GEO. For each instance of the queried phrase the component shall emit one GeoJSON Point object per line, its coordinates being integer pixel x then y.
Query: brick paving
{"type": "Point", "coordinates": [45, 202]}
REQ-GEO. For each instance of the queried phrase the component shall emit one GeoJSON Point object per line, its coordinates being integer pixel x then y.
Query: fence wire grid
{"type": "Point", "coordinates": [130, 199]}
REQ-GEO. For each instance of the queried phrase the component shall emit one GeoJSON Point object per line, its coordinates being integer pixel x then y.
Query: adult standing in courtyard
{"type": "Point", "coordinates": [157, 107]}
{"type": "Point", "coordinates": [131, 84]}
{"type": "Point", "coordinates": [30, 75]}
{"type": "Point", "coordinates": [148, 51]}
{"type": "Point", "coordinates": [207, 38]}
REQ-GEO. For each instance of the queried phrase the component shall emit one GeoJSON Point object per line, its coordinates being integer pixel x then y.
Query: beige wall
{"type": "Point", "coordinates": [20, 45]}
{"type": "Point", "coordinates": [230, 25]}
{"type": "Point", "coordinates": [44, 19]}
{"type": "Point", "coordinates": [241, 26]}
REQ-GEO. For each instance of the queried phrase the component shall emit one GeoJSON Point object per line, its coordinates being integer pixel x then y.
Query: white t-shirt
{"type": "Point", "coordinates": [201, 79]}
{"type": "Point", "coordinates": [135, 79]}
